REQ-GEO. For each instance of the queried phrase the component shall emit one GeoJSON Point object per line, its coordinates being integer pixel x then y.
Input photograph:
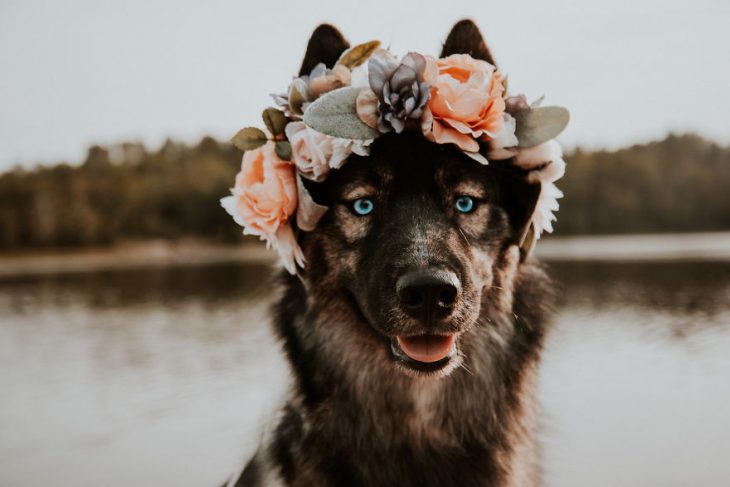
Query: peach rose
{"type": "Point", "coordinates": [466, 101]}
{"type": "Point", "coordinates": [263, 199]}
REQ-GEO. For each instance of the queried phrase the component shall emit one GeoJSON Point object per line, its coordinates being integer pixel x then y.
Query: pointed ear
{"type": "Point", "coordinates": [465, 38]}
{"type": "Point", "coordinates": [325, 46]}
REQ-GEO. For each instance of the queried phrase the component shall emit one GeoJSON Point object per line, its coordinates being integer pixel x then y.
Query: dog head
{"type": "Point", "coordinates": [415, 231]}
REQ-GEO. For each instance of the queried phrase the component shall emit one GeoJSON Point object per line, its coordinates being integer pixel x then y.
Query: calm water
{"type": "Point", "coordinates": [161, 377]}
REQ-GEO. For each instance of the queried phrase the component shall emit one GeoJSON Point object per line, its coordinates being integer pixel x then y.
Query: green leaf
{"type": "Point", "coordinates": [335, 114]}
{"type": "Point", "coordinates": [275, 120]}
{"type": "Point", "coordinates": [536, 126]}
{"type": "Point", "coordinates": [249, 138]}
{"type": "Point", "coordinates": [298, 95]}
{"type": "Point", "coordinates": [357, 55]}
{"type": "Point", "coordinates": [283, 149]}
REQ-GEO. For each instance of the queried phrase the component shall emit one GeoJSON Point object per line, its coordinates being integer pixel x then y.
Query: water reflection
{"type": "Point", "coordinates": [160, 376]}
{"type": "Point", "coordinates": [685, 287]}
{"type": "Point", "coordinates": [161, 286]}
{"type": "Point", "coordinates": [693, 287]}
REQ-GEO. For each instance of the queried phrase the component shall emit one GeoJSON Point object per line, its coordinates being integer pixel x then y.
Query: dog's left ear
{"type": "Point", "coordinates": [465, 38]}
{"type": "Point", "coordinates": [326, 45]}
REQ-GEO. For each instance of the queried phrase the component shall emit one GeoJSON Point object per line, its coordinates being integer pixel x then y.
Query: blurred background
{"type": "Point", "coordinates": [134, 345]}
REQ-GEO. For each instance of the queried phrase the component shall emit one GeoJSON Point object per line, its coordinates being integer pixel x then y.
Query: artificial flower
{"type": "Point", "coordinates": [263, 199]}
{"type": "Point", "coordinates": [545, 165]}
{"type": "Point", "coordinates": [517, 103]}
{"type": "Point", "coordinates": [344, 147]}
{"type": "Point", "coordinates": [547, 204]}
{"type": "Point", "coordinates": [504, 144]}
{"type": "Point", "coordinates": [307, 88]}
{"type": "Point", "coordinates": [286, 245]}
{"type": "Point", "coordinates": [331, 79]}
{"type": "Point", "coordinates": [466, 102]}
{"type": "Point", "coordinates": [545, 161]}
{"type": "Point", "coordinates": [455, 100]}
{"type": "Point", "coordinates": [399, 93]}
{"type": "Point", "coordinates": [311, 150]}
{"type": "Point", "coordinates": [315, 153]}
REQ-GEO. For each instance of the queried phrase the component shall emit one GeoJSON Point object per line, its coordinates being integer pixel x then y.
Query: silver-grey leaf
{"type": "Point", "coordinates": [536, 126]}
{"type": "Point", "coordinates": [335, 114]}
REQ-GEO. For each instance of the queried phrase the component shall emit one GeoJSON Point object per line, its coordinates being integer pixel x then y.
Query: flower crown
{"type": "Point", "coordinates": [331, 113]}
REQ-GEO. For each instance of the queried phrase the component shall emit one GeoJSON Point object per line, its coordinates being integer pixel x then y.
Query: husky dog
{"type": "Point", "coordinates": [415, 331]}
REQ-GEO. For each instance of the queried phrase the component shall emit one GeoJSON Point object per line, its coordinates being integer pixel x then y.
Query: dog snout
{"type": "Point", "coordinates": [428, 294]}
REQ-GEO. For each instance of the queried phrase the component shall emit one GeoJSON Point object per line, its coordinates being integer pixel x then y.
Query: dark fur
{"type": "Point", "coordinates": [356, 415]}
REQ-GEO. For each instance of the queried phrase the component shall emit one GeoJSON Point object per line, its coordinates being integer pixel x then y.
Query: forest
{"type": "Point", "coordinates": [127, 192]}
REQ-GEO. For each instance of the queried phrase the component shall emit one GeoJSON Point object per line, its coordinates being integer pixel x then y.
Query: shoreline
{"type": "Point", "coordinates": [160, 253]}
{"type": "Point", "coordinates": [637, 247]}
{"type": "Point", "coordinates": [132, 255]}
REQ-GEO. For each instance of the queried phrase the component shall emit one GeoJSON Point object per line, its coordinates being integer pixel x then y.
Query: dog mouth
{"type": "Point", "coordinates": [424, 353]}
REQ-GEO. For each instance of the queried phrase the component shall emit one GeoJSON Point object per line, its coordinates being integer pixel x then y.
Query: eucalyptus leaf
{"type": "Point", "coordinates": [275, 120]}
{"type": "Point", "coordinates": [529, 239]}
{"type": "Point", "coordinates": [335, 114]}
{"type": "Point", "coordinates": [357, 55]}
{"type": "Point", "coordinates": [249, 138]}
{"type": "Point", "coordinates": [308, 211]}
{"type": "Point", "coordinates": [536, 126]}
{"type": "Point", "coordinates": [283, 149]}
{"type": "Point", "coordinates": [298, 95]}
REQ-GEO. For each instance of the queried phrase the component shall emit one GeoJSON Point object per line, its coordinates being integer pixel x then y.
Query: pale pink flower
{"type": "Point", "coordinates": [311, 150]}
{"type": "Point", "coordinates": [315, 153]}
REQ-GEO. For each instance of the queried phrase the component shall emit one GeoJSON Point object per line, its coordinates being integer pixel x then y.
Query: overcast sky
{"type": "Point", "coordinates": [78, 72]}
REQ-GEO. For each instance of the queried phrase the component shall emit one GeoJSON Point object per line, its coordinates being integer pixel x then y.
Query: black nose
{"type": "Point", "coordinates": [428, 294]}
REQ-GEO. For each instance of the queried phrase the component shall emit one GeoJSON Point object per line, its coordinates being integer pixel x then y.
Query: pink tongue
{"type": "Point", "coordinates": [427, 348]}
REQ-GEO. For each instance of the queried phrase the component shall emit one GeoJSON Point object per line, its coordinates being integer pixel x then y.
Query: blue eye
{"type": "Point", "coordinates": [465, 204]}
{"type": "Point", "coordinates": [363, 206]}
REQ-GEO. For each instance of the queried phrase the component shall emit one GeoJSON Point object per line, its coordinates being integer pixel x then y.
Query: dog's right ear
{"type": "Point", "coordinates": [465, 38]}
{"type": "Point", "coordinates": [325, 46]}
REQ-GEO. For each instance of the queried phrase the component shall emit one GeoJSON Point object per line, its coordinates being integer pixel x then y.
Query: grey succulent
{"type": "Point", "coordinates": [400, 89]}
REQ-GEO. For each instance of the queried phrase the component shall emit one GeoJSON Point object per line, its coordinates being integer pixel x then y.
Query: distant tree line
{"type": "Point", "coordinates": [680, 184]}
{"type": "Point", "coordinates": [121, 193]}
{"type": "Point", "coordinates": [126, 192]}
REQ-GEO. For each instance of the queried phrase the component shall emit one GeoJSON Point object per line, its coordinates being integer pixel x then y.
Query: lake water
{"type": "Point", "coordinates": [161, 376]}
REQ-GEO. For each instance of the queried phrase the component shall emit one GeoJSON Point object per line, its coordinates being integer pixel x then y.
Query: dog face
{"type": "Point", "coordinates": [412, 242]}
